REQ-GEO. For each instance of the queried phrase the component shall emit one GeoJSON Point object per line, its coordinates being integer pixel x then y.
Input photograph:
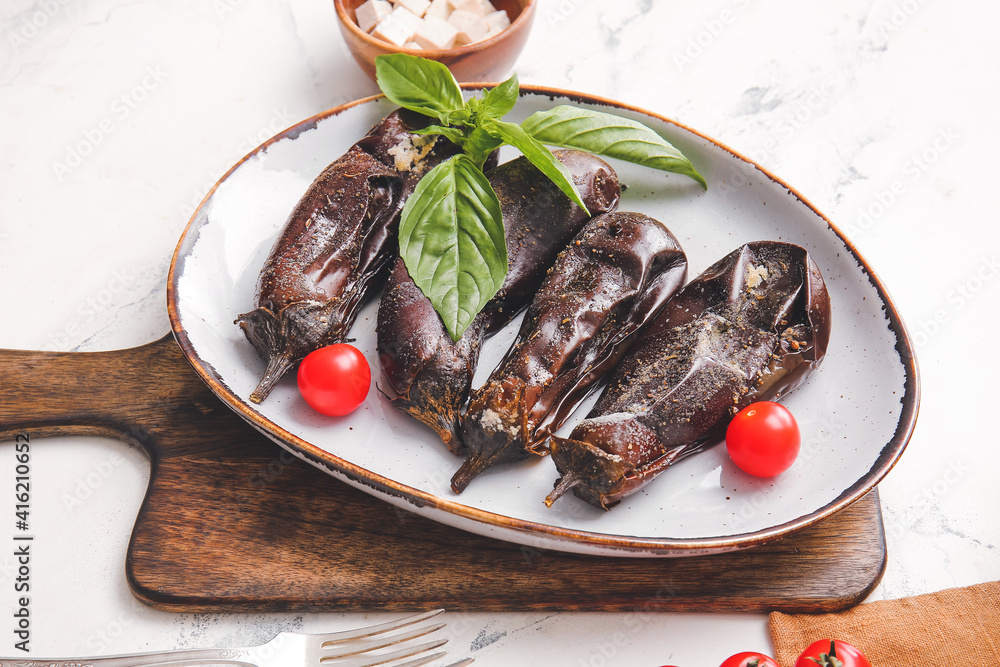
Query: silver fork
{"type": "Point", "coordinates": [364, 647]}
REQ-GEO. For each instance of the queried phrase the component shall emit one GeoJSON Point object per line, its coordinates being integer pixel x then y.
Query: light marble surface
{"type": "Point", "coordinates": [119, 115]}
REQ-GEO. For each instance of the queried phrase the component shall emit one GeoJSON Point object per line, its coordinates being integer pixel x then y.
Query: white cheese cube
{"type": "Point", "coordinates": [439, 9]}
{"type": "Point", "coordinates": [477, 7]}
{"type": "Point", "coordinates": [471, 27]}
{"type": "Point", "coordinates": [399, 27]}
{"type": "Point", "coordinates": [497, 21]}
{"type": "Point", "coordinates": [436, 34]}
{"type": "Point", "coordinates": [371, 13]}
{"type": "Point", "coordinates": [418, 7]}
{"type": "Point", "coordinates": [412, 45]}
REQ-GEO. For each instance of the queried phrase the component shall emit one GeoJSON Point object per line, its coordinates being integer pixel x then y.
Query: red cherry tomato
{"type": "Point", "coordinates": [831, 653]}
{"type": "Point", "coordinates": [335, 379]}
{"type": "Point", "coordinates": [763, 439]}
{"type": "Point", "coordinates": [749, 659]}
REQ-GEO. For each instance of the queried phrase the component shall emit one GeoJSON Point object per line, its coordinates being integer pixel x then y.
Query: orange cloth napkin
{"type": "Point", "coordinates": [958, 626]}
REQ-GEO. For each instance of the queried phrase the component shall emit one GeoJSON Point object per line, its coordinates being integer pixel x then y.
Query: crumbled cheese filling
{"type": "Point", "coordinates": [493, 422]}
{"type": "Point", "coordinates": [411, 150]}
{"type": "Point", "coordinates": [756, 275]}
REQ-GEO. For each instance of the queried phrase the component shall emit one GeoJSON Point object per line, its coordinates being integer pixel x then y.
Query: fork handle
{"type": "Point", "coordinates": [183, 658]}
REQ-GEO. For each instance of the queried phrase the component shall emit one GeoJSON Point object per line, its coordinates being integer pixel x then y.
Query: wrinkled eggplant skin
{"type": "Point", "coordinates": [336, 247]}
{"type": "Point", "coordinates": [430, 373]}
{"type": "Point", "coordinates": [750, 328]}
{"type": "Point", "coordinates": [539, 220]}
{"type": "Point", "coordinates": [605, 285]}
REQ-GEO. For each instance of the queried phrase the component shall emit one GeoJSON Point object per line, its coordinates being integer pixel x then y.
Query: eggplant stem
{"type": "Point", "coordinates": [276, 368]}
{"type": "Point", "coordinates": [435, 419]}
{"type": "Point", "coordinates": [563, 484]}
{"type": "Point", "coordinates": [471, 469]}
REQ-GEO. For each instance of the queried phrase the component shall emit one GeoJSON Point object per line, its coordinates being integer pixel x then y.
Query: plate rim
{"type": "Point", "coordinates": [597, 542]}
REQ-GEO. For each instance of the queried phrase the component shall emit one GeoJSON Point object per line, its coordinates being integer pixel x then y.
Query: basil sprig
{"type": "Point", "coordinates": [609, 135]}
{"type": "Point", "coordinates": [451, 239]}
{"type": "Point", "coordinates": [451, 234]}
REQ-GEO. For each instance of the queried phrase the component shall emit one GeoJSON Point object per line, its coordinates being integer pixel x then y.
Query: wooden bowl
{"type": "Point", "coordinates": [488, 60]}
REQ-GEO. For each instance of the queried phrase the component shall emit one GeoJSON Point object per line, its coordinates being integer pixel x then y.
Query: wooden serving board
{"type": "Point", "coordinates": [232, 522]}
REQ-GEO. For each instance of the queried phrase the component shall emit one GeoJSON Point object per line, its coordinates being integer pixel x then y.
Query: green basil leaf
{"type": "Point", "coordinates": [457, 117]}
{"type": "Point", "coordinates": [498, 101]}
{"type": "Point", "coordinates": [418, 84]}
{"type": "Point", "coordinates": [452, 134]}
{"type": "Point", "coordinates": [610, 135]}
{"type": "Point", "coordinates": [451, 238]}
{"type": "Point", "coordinates": [537, 154]}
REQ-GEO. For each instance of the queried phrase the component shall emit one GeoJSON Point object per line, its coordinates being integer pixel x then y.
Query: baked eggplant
{"type": "Point", "coordinates": [430, 373]}
{"type": "Point", "coordinates": [752, 327]}
{"type": "Point", "coordinates": [337, 245]}
{"type": "Point", "coordinates": [604, 286]}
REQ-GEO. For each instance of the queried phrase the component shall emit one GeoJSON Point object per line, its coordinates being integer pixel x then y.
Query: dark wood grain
{"type": "Point", "coordinates": [233, 522]}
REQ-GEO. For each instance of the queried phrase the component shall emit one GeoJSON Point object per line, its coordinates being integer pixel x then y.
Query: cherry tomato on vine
{"type": "Point", "coordinates": [335, 379]}
{"type": "Point", "coordinates": [763, 439]}
{"type": "Point", "coordinates": [749, 659]}
{"type": "Point", "coordinates": [831, 653]}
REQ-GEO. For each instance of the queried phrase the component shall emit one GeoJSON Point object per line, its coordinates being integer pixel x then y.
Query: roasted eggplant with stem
{"type": "Point", "coordinates": [430, 373]}
{"type": "Point", "coordinates": [752, 327]}
{"type": "Point", "coordinates": [337, 245]}
{"type": "Point", "coordinates": [605, 285]}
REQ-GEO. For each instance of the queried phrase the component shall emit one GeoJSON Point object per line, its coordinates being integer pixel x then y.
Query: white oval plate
{"type": "Point", "coordinates": [856, 413]}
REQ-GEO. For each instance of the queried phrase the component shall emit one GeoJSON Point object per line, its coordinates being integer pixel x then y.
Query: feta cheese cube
{"type": "Point", "coordinates": [497, 21]}
{"type": "Point", "coordinates": [471, 27]}
{"type": "Point", "coordinates": [412, 45]}
{"type": "Point", "coordinates": [418, 7]}
{"type": "Point", "coordinates": [399, 27]}
{"type": "Point", "coordinates": [439, 9]}
{"type": "Point", "coordinates": [477, 7]}
{"type": "Point", "coordinates": [371, 13]}
{"type": "Point", "coordinates": [436, 33]}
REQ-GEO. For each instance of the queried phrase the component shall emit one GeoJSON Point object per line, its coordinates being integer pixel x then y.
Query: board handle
{"type": "Point", "coordinates": [146, 395]}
